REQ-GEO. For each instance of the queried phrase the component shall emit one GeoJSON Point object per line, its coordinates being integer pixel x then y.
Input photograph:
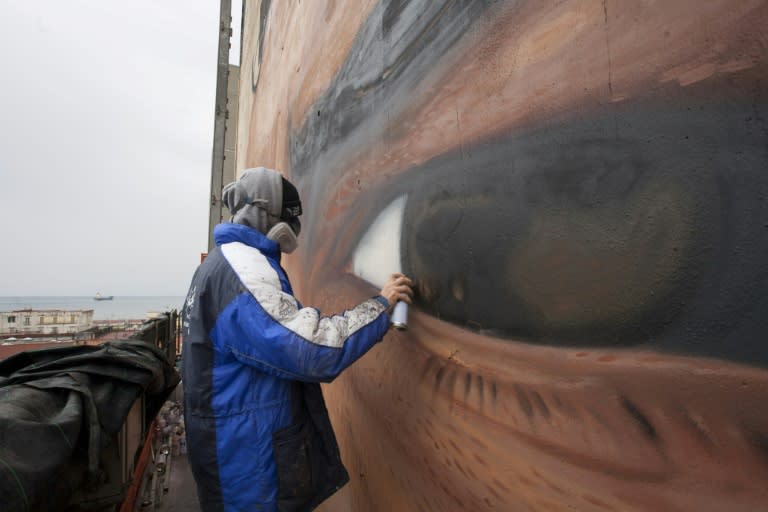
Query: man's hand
{"type": "Point", "coordinates": [399, 287]}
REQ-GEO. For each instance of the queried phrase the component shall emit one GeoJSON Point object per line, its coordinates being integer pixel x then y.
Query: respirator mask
{"type": "Point", "coordinates": [285, 233]}
{"type": "Point", "coordinates": [287, 229]}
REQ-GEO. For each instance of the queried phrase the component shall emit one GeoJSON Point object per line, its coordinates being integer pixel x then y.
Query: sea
{"type": "Point", "coordinates": [119, 308]}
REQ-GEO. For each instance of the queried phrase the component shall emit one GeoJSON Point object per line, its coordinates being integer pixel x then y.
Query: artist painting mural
{"type": "Point", "coordinates": [580, 189]}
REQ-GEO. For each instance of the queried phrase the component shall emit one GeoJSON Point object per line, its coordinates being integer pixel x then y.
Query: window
{"type": "Point", "coordinates": [26, 320]}
{"type": "Point", "coordinates": [12, 319]}
{"type": "Point", "coordinates": [41, 320]}
{"type": "Point", "coordinates": [72, 319]}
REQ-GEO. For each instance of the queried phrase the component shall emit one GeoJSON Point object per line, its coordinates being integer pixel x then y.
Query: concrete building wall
{"type": "Point", "coordinates": [29, 321]}
{"type": "Point", "coordinates": [230, 134]}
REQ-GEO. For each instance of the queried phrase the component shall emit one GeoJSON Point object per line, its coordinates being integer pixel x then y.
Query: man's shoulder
{"type": "Point", "coordinates": [252, 267]}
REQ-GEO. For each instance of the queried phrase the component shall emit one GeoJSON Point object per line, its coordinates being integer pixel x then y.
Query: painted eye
{"type": "Point", "coordinates": [568, 237]}
{"type": "Point", "coordinates": [378, 252]}
{"type": "Point", "coordinates": [518, 240]}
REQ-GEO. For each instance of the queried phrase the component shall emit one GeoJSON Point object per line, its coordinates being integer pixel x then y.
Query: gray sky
{"type": "Point", "coordinates": [106, 131]}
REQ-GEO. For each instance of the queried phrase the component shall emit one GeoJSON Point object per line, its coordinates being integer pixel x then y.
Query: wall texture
{"type": "Point", "coordinates": [580, 189]}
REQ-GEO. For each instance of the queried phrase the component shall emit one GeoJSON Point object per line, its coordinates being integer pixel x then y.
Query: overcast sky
{"type": "Point", "coordinates": [105, 144]}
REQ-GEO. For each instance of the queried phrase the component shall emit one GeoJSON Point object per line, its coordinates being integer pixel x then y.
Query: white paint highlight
{"type": "Point", "coordinates": [378, 253]}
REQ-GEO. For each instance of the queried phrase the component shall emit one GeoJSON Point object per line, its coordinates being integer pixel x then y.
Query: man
{"type": "Point", "coordinates": [258, 433]}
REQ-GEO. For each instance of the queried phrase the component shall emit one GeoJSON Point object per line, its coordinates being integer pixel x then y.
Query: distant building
{"type": "Point", "coordinates": [45, 321]}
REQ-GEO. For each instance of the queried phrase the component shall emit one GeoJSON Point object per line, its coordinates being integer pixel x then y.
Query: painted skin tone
{"type": "Point", "coordinates": [616, 152]}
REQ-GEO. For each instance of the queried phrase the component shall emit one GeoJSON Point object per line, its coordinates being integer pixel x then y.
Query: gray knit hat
{"type": "Point", "coordinates": [256, 199]}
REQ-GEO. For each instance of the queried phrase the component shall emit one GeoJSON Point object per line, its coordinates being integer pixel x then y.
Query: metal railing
{"type": "Point", "coordinates": [162, 332]}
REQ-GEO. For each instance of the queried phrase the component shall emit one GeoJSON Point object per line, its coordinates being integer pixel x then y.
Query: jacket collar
{"type": "Point", "coordinates": [230, 232]}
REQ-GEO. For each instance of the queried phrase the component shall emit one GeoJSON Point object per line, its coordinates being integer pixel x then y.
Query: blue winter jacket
{"type": "Point", "coordinates": [247, 343]}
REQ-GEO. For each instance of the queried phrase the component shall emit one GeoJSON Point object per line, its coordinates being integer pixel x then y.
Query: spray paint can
{"type": "Point", "coordinates": [400, 316]}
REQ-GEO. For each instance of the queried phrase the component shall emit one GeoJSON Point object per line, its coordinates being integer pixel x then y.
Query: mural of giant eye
{"type": "Point", "coordinates": [579, 190]}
